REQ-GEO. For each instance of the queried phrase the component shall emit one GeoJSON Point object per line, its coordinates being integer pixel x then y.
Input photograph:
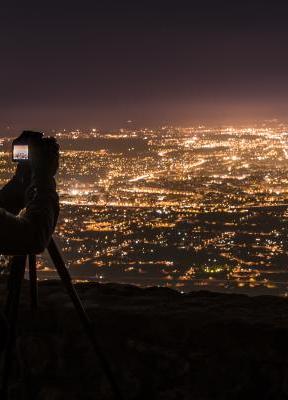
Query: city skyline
{"type": "Point", "coordinates": [186, 208]}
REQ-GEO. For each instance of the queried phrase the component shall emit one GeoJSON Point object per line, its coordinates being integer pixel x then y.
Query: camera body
{"type": "Point", "coordinates": [20, 146]}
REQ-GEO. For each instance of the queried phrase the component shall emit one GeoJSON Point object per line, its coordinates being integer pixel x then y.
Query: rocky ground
{"type": "Point", "coordinates": [161, 345]}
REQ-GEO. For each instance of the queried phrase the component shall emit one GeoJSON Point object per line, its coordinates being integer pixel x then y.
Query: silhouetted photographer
{"type": "Point", "coordinates": [29, 204]}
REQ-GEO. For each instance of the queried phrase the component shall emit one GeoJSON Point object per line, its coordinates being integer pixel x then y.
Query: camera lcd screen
{"type": "Point", "coordinates": [20, 152]}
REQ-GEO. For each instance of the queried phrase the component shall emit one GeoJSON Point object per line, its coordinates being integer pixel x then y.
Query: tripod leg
{"type": "Point", "coordinates": [33, 282]}
{"type": "Point", "coordinates": [86, 322]}
{"type": "Point", "coordinates": [17, 270]}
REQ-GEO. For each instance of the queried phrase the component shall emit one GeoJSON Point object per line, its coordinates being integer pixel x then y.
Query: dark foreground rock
{"type": "Point", "coordinates": [161, 345]}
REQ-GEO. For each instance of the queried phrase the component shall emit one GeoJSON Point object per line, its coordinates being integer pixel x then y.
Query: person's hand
{"type": "Point", "coordinates": [44, 159]}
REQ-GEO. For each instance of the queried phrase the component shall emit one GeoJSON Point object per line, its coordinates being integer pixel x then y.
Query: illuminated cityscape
{"type": "Point", "coordinates": [187, 208]}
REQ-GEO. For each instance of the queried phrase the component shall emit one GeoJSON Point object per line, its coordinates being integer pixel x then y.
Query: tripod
{"type": "Point", "coordinates": [16, 277]}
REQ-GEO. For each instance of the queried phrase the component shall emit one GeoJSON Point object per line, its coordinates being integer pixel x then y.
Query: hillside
{"type": "Point", "coordinates": [161, 344]}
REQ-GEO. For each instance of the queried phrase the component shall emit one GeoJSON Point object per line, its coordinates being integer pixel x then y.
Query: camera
{"type": "Point", "coordinates": [20, 147]}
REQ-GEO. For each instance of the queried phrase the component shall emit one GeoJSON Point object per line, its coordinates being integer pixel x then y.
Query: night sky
{"type": "Point", "coordinates": [99, 64]}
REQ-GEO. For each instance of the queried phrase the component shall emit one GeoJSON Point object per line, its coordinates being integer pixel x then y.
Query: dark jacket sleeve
{"type": "Point", "coordinates": [31, 230]}
{"type": "Point", "coordinates": [12, 196]}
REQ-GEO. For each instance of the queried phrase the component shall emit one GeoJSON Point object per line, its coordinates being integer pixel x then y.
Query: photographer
{"type": "Point", "coordinates": [29, 204]}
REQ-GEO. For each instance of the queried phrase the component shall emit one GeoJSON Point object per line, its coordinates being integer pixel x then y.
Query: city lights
{"type": "Point", "coordinates": [178, 207]}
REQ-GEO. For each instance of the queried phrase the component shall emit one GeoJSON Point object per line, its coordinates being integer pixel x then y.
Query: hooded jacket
{"type": "Point", "coordinates": [26, 225]}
